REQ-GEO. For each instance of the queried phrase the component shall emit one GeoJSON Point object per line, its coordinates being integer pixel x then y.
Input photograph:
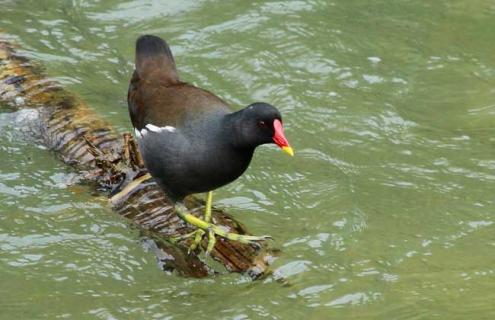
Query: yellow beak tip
{"type": "Point", "coordinates": [288, 150]}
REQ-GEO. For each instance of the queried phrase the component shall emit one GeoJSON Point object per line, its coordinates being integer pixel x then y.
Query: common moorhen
{"type": "Point", "coordinates": [190, 140]}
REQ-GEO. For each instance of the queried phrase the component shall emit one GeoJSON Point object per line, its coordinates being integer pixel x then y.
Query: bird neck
{"type": "Point", "coordinates": [235, 130]}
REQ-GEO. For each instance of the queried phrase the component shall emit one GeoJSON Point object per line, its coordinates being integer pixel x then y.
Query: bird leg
{"type": "Point", "coordinates": [212, 229]}
{"type": "Point", "coordinates": [211, 235]}
{"type": "Point", "coordinates": [199, 233]}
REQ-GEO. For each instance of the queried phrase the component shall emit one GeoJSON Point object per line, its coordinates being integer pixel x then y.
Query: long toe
{"type": "Point", "coordinates": [211, 243]}
{"type": "Point", "coordinates": [242, 238]}
{"type": "Point", "coordinates": [198, 237]}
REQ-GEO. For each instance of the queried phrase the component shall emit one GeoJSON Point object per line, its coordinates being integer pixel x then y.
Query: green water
{"type": "Point", "coordinates": [386, 212]}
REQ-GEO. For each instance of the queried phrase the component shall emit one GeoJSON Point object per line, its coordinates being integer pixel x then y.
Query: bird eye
{"type": "Point", "coordinates": [262, 124]}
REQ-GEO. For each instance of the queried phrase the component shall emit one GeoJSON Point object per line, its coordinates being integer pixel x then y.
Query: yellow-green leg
{"type": "Point", "coordinates": [199, 233]}
{"type": "Point", "coordinates": [212, 229]}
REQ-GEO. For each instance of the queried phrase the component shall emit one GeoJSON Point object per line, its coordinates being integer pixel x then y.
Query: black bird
{"type": "Point", "coordinates": [190, 140]}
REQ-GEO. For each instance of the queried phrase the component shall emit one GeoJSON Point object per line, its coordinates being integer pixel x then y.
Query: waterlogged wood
{"type": "Point", "coordinates": [111, 162]}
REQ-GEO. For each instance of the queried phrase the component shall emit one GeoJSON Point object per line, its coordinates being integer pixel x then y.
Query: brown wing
{"type": "Point", "coordinates": [171, 105]}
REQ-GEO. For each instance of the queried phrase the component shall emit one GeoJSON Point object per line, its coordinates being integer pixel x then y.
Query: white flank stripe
{"type": "Point", "coordinates": [153, 128]}
{"type": "Point", "coordinates": [169, 128]}
{"type": "Point", "coordinates": [137, 133]}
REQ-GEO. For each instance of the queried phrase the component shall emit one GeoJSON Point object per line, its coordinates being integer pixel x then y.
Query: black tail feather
{"type": "Point", "coordinates": [151, 46]}
{"type": "Point", "coordinates": [154, 59]}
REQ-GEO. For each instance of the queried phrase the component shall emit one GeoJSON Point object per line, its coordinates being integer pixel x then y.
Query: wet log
{"type": "Point", "coordinates": [111, 163]}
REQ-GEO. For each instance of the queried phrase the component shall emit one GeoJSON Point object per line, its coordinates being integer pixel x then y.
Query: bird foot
{"type": "Point", "coordinates": [198, 236]}
{"type": "Point", "coordinates": [212, 230]}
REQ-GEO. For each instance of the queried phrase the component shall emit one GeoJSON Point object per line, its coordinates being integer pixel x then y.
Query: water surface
{"type": "Point", "coordinates": [386, 212]}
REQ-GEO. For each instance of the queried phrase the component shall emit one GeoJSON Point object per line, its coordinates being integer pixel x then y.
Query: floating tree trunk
{"type": "Point", "coordinates": [112, 163]}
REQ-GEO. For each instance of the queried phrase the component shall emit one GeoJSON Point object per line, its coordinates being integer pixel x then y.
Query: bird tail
{"type": "Point", "coordinates": [154, 60]}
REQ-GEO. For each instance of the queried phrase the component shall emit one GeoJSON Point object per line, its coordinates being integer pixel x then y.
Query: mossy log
{"type": "Point", "coordinates": [112, 164]}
